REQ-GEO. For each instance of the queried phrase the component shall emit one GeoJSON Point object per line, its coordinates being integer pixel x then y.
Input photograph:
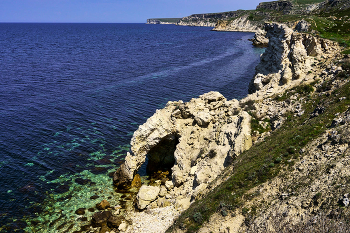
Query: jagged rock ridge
{"type": "Point", "coordinates": [209, 133]}
{"type": "Point", "coordinates": [289, 56]}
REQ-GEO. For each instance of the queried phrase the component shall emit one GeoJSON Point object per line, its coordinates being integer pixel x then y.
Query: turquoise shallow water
{"type": "Point", "coordinates": [72, 95]}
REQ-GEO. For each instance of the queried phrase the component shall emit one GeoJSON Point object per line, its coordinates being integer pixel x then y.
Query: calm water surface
{"type": "Point", "coordinates": [71, 95]}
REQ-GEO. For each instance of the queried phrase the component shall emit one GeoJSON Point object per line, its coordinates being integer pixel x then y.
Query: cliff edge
{"type": "Point", "coordinates": [196, 144]}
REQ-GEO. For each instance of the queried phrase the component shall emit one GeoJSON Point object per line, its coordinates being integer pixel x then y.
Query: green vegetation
{"type": "Point", "coordinates": [256, 126]}
{"type": "Point", "coordinates": [268, 159]}
{"type": "Point", "coordinates": [333, 25]}
{"type": "Point", "coordinates": [302, 2]}
{"type": "Point", "coordinates": [302, 89]}
{"type": "Point", "coordinates": [279, 151]}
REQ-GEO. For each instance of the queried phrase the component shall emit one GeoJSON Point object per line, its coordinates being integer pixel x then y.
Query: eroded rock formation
{"type": "Point", "coordinates": [289, 56]}
{"type": "Point", "coordinates": [198, 139]}
{"type": "Point", "coordinates": [202, 137]}
{"type": "Point", "coordinates": [241, 24]}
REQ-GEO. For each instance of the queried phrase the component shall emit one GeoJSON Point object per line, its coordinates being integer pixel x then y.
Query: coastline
{"type": "Point", "coordinates": [167, 122]}
{"type": "Point", "coordinates": [193, 149]}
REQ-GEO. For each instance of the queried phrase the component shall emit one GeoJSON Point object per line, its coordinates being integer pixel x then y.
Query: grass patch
{"type": "Point", "coordinates": [256, 126]}
{"type": "Point", "coordinates": [265, 160]}
{"type": "Point", "coordinates": [346, 51]}
{"type": "Point", "coordinates": [301, 89]}
{"type": "Point", "coordinates": [333, 25]}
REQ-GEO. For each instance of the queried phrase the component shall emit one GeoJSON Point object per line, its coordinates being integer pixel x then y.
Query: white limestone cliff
{"type": "Point", "coordinates": [210, 132]}
{"type": "Point", "coordinates": [240, 24]}
{"type": "Point", "coordinates": [198, 139]}
{"type": "Point", "coordinates": [289, 57]}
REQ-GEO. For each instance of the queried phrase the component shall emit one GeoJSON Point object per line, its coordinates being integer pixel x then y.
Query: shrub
{"type": "Point", "coordinates": [278, 160]}
{"type": "Point", "coordinates": [197, 217]}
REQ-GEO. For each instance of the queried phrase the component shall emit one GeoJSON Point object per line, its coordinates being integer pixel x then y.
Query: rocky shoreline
{"type": "Point", "coordinates": [188, 148]}
{"type": "Point", "coordinates": [188, 145]}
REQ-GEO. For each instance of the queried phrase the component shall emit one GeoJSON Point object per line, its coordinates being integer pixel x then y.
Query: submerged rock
{"type": "Point", "coordinates": [99, 218]}
{"type": "Point", "coordinates": [103, 205]}
{"type": "Point", "coordinates": [80, 211]}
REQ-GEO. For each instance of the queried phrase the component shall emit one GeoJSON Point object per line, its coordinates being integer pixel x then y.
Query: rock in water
{"type": "Point", "coordinates": [80, 211]}
{"type": "Point", "coordinates": [100, 218]}
{"type": "Point", "coordinates": [103, 205]}
{"type": "Point", "coordinates": [123, 177]}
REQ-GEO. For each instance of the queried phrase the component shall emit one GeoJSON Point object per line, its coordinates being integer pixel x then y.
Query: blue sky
{"type": "Point", "coordinates": [112, 11]}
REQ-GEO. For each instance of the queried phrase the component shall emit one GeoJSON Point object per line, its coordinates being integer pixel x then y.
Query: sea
{"type": "Point", "coordinates": [71, 96]}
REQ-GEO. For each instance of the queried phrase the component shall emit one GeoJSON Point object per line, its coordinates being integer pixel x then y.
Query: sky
{"type": "Point", "coordinates": [112, 11]}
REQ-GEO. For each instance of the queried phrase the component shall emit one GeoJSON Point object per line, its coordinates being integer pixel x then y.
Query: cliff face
{"type": "Point", "coordinates": [206, 134]}
{"type": "Point", "coordinates": [197, 140]}
{"type": "Point", "coordinates": [289, 57]}
{"type": "Point", "coordinates": [207, 20]}
{"type": "Point", "coordinates": [153, 21]}
{"type": "Point", "coordinates": [284, 6]}
{"type": "Point", "coordinates": [241, 24]}
{"type": "Point", "coordinates": [163, 21]}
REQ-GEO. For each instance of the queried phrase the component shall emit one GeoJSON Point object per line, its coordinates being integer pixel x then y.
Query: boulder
{"type": "Point", "coordinates": [115, 221]}
{"type": "Point", "coordinates": [163, 191]}
{"type": "Point", "coordinates": [123, 226]}
{"type": "Point", "coordinates": [260, 39]}
{"type": "Point", "coordinates": [136, 182]}
{"type": "Point", "coordinates": [169, 185]}
{"type": "Point", "coordinates": [183, 203]}
{"type": "Point", "coordinates": [146, 195]}
{"type": "Point", "coordinates": [302, 26]}
{"type": "Point", "coordinates": [100, 218]}
{"type": "Point", "coordinates": [103, 205]}
{"type": "Point", "coordinates": [80, 211]}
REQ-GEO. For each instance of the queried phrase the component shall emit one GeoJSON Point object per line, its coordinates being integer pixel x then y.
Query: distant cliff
{"type": "Point", "coordinates": [163, 21]}
{"type": "Point", "coordinates": [283, 11]}
{"type": "Point", "coordinates": [207, 20]}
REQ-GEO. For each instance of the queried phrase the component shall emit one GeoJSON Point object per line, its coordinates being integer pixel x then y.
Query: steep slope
{"type": "Point", "coordinates": [293, 177]}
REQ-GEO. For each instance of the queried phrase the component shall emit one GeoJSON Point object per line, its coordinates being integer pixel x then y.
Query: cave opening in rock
{"type": "Point", "coordinates": [161, 157]}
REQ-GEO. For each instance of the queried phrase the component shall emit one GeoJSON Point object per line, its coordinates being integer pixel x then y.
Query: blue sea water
{"type": "Point", "coordinates": [71, 95]}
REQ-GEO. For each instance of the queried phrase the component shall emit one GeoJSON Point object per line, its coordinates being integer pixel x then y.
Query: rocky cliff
{"type": "Point", "coordinates": [163, 21]}
{"type": "Point", "coordinates": [207, 20]}
{"type": "Point", "coordinates": [241, 24]}
{"type": "Point", "coordinates": [284, 6]}
{"type": "Point", "coordinates": [197, 140]}
{"type": "Point", "coordinates": [290, 57]}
